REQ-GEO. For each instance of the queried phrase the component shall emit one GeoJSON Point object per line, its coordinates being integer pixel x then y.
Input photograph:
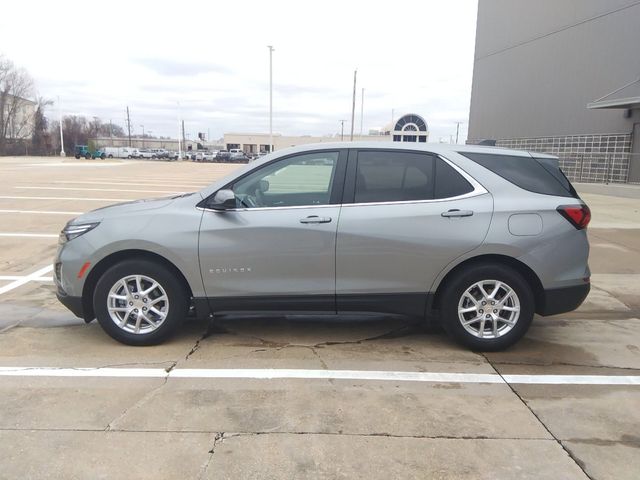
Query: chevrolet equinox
{"type": "Point", "coordinates": [479, 238]}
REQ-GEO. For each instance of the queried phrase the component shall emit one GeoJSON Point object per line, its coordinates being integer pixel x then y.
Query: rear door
{"type": "Point", "coordinates": [406, 215]}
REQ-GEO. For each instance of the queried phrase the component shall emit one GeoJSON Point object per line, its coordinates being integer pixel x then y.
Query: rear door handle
{"type": "Point", "coordinates": [315, 219]}
{"type": "Point", "coordinates": [457, 213]}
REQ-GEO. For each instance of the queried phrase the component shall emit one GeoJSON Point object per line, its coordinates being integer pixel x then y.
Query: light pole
{"type": "Point", "coordinates": [142, 135]}
{"type": "Point", "coordinates": [271, 49]}
{"type": "Point", "coordinates": [62, 154]}
{"type": "Point", "coordinates": [342, 130]}
{"type": "Point", "coordinates": [179, 134]}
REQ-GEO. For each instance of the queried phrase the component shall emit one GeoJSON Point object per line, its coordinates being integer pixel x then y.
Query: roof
{"type": "Point", "coordinates": [625, 97]}
{"type": "Point", "coordinates": [441, 148]}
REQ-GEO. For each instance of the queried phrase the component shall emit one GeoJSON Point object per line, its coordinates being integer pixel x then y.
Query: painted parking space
{"type": "Point", "coordinates": [317, 381]}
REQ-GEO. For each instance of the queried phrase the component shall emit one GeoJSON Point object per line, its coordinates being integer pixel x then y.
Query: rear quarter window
{"type": "Point", "coordinates": [535, 175]}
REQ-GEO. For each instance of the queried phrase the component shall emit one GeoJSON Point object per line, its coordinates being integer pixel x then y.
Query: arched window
{"type": "Point", "coordinates": [410, 128]}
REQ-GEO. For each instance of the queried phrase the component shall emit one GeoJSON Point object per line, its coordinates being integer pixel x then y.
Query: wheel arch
{"type": "Point", "coordinates": [104, 264]}
{"type": "Point", "coordinates": [492, 259]}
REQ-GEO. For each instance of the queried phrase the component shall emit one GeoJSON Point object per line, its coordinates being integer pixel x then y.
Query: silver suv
{"type": "Point", "coordinates": [478, 238]}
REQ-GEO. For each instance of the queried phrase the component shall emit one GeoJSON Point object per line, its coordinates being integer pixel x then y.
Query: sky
{"type": "Point", "coordinates": [208, 62]}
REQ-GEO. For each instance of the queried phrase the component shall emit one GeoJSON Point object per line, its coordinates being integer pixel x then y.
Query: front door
{"type": "Point", "coordinates": [411, 215]}
{"type": "Point", "coordinates": [276, 250]}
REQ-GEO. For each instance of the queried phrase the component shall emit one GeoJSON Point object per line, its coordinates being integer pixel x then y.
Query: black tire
{"type": "Point", "coordinates": [103, 156]}
{"type": "Point", "coordinates": [87, 156]}
{"type": "Point", "coordinates": [110, 156]}
{"type": "Point", "coordinates": [129, 156]}
{"type": "Point", "coordinates": [175, 291]}
{"type": "Point", "coordinates": [464, 279]}
{"type": "Point", "coordinates": [77, 157]}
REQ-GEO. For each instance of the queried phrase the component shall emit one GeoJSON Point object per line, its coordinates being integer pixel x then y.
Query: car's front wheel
{"type": "Point", "coordinates": [140, 302]}
{"type": "Point", "coordinates": [487, 307]}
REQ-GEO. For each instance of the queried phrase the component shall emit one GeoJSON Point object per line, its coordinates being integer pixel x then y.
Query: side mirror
{"type": "Point", "coordinates": [223, 200]}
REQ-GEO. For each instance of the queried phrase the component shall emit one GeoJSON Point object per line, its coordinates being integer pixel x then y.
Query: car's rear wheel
{"type": "Point", "coordinates": [487, 307]}
{"type": "Point", "coordinates": [140, 302]}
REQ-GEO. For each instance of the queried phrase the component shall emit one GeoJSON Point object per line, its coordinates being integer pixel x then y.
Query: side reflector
{"type": "Point", "coordinates": [578, 215]}
{"type": "Point", "coordinates": [84, 269]}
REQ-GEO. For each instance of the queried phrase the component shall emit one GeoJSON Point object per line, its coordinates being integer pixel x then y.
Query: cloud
{"type": "Point", "coordinates": [172, 68]}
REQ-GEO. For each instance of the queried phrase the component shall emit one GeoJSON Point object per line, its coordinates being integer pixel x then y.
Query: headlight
{"type": "Point", "coordinates": [70, 232]}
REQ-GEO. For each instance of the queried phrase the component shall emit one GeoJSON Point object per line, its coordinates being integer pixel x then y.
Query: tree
{"type": "Point", "coordinates": [16, 112]}
{"type": "Point", "coordinates": [41, 142]}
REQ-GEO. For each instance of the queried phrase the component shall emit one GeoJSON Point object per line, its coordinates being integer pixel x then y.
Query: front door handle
{"type": "Point", "coordinates": [455, 212]}
{"type": "Point", "coordinates": [315, 219]}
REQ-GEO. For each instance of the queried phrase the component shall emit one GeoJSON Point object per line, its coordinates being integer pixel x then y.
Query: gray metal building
{"type": "Point", "coordinates": [561, 76]}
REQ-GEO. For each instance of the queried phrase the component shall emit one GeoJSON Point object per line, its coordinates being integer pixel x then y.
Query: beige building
{"type": "Point", "coordinates": [166, 143]}
{"type": "Point", "coordinates": [20, 113]}
{"type": "Point", "coordinates": [408, 128]}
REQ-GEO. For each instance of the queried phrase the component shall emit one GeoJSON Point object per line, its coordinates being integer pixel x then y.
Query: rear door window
{"type": "Point", "coordinates": [449, 183]}
{"type": "Point", "coordinates": [528, 173]}
{"type": "Point", "coordinates": [387, 176]}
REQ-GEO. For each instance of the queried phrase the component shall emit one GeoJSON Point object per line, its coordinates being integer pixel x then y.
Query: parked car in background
{"type": "Point", "coordinates": [145, 153]}
{"type": "Point", "coordinates": [477, 238]}
{"type": "Point", "coordinates": [238, 157]}
{"type": "Point", "coordinates": [80, 151]}
{"type": "Point", "coordinates": [223, 156]}
{"type": "Point", "coordinates": [121, 152]}
{"type": "Point", "coordinates": [171, 156]}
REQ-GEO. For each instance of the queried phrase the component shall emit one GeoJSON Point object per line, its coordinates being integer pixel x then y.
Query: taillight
{"type": "Point", "coordinates": [578, 215]}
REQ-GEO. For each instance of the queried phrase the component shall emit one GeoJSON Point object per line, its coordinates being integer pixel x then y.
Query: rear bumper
{"type": "Point", "coordinates": [72, 303]}
{"type": "Point", "coordinates": [561, 300]}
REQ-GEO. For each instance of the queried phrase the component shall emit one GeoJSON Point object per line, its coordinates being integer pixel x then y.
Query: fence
{"type": "Point", "coordinates": [597, 167]}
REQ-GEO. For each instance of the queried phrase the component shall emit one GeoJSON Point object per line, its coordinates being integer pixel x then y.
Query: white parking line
{"type": "Point", "coordinates": [84, 189]}
{"type": "Point", "coordinates": [273, 373]}
{"type": "Point", "coordinates": [167, 183]}
{"type": "Point", "coordinates": [26, 279]}
{"type": "Point", "coordinates": [7, 197]}
{"type": "Point", "coordinates": [9, 278]}
{"type": "Point", "coordinates": [29, 235]}
{"type": "Point", "coordinates": [43, 212]}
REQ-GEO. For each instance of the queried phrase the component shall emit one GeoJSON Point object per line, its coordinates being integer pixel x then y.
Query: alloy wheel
{"type": "Point", "coordinates": [138, 304]}
{"type": "Point", "coordinates": [489, 309]}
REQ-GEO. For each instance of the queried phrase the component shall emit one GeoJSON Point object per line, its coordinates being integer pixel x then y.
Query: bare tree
{"type": "Point", "coordinates": [16, 111]}
{"type": "Point", "coordinates": [41, 141]}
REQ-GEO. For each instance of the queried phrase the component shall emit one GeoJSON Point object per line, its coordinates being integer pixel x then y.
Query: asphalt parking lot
{"type": "Point", "coordinates": [304, 398]}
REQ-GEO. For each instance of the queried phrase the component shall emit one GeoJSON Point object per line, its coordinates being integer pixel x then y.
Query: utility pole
{"type": "Point", "coordinates": [353, 102]}
{"type": "Point", "coordinates": [111, 132]}
{"type": "Point", "coordinates": [361, 110]}
{"type": "Point", "coordinates": [271, 49]}
{"type": "Point", "coordinates": [183, 138]}
{"type": "Point", "coordinates": [142, 135]}
{"type": "Point", "coordinates": [457, 131]}
{"type": "Point", "coordinates": [129, 126]}
{"type": "Point", "coordinates": [62, 154]}
{"type": "Point", "coordinates": [342, 130]}
{"type": "Point", "coordinates": [179, 136]}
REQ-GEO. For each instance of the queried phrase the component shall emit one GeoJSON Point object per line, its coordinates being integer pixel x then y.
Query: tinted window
{"type": "Point", "coordinates": [525, 172]}
{"type": "Point", "coordinates": [393, 176]}
{"type": "Point", "coordinates": [449, 183]}
{"type": "Point", "coordinates": [294, 181]}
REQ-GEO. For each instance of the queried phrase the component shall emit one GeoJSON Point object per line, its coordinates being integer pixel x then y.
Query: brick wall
{"type": "Point", "coordinates": [583, 158]}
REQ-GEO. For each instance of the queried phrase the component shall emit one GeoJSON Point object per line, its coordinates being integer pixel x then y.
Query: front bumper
{"type": "Point", "coordinates": [561, 300]}
{"type": "Point", "coordinates": [72, 303]}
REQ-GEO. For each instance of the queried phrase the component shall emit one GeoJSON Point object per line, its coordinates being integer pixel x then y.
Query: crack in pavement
{"type": "Point", "coordinates": [228, 435]}
{"type": "Point", "coordinates": [142, 399]}
{"type": "Point", "coordinates": [576, 460]}
{"type": "Point", "coordinates": [560, 364]}
{"type": "Point", "coordinates": [219, 438]}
